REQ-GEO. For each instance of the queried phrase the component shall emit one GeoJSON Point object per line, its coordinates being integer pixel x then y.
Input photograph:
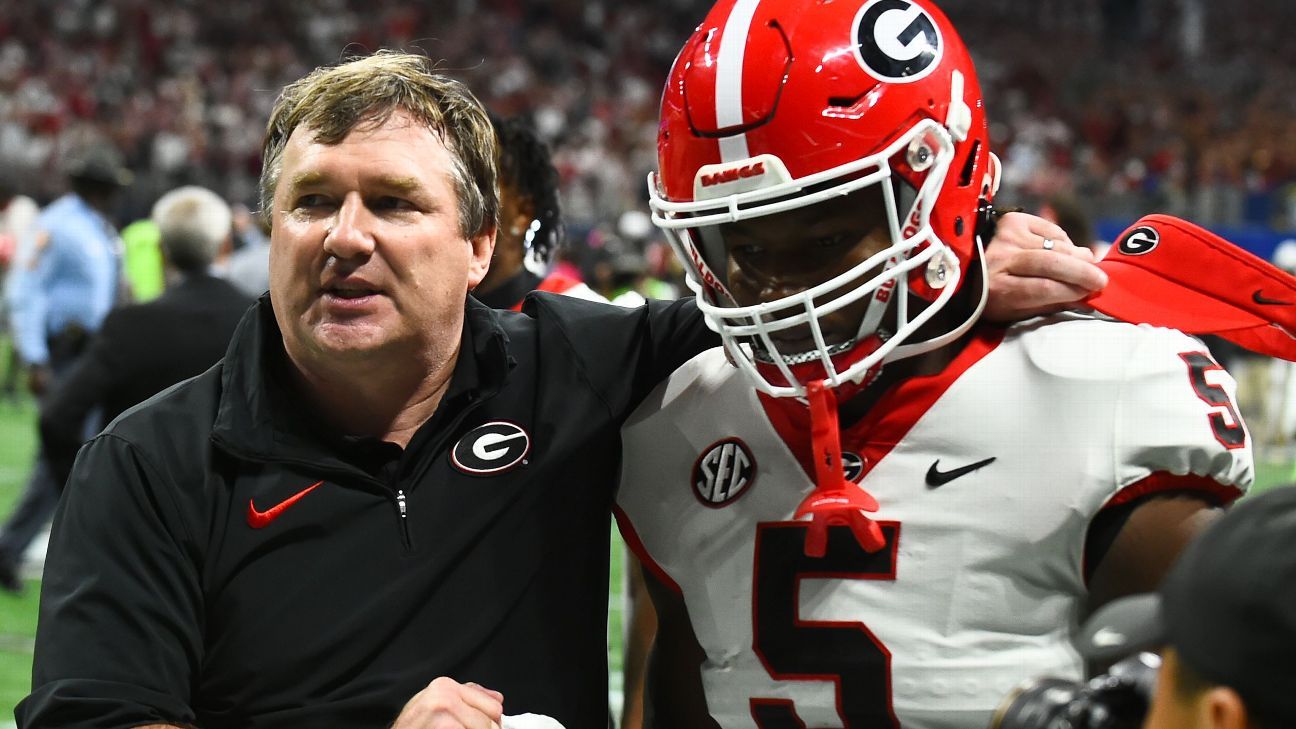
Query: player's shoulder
{"type": "Point", "coordinates": [695, 385]}
{"type": "Point", "coordinates": [1089, 346]}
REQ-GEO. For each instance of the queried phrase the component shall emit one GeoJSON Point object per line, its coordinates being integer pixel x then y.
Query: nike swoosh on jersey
{"type": "Point", "coordinates": [937, 477]}
{"type": "Point", "coordinates": [261, 519]}
{"type": "Point", "coordinates": [1263, 300]}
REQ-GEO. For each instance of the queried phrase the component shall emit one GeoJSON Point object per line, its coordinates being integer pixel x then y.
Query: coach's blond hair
{"type": "Point", "coordinates": [331, 101]}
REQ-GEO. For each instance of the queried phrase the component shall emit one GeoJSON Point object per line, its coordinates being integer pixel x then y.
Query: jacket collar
{"type": "Point", "coordinates": [259, 418]}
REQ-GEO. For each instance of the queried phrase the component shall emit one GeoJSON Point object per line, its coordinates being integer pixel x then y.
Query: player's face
{"type": "Point", "coordinates": [780, 255]}
{"type": "Point", "coordinates": [366, 252]}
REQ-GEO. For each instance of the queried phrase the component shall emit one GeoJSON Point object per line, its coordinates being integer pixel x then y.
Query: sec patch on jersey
{"type": "Point", "coordinates": [723, 472]}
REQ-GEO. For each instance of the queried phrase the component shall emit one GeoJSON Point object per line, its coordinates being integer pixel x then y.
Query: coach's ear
{"type": "Point", "coordinates": [483, 247]}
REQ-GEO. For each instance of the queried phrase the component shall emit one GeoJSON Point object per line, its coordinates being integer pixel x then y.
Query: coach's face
{"type": "Point", "coordinates": [367, 258]}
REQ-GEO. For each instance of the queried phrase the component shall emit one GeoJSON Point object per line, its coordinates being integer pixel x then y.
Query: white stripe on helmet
{"type": "Point", "coordinates": [729, 78]}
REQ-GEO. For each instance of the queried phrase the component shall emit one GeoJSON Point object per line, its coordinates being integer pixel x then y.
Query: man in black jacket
{"type": "Point", "coordinates": [142, 349]}
{"type": "Point", "coordinates": [382, 483]}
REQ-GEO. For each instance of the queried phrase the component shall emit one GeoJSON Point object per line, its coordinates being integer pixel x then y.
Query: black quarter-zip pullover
{"type": "Point", "coordinates": [220, 559]}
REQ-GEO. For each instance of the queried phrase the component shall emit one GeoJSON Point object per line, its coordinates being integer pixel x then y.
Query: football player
{"type": "Point", "coordinates": [868, 508]}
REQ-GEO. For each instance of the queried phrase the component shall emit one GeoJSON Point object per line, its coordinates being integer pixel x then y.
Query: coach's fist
{"type": "Point", "coordinates": [448, 704]}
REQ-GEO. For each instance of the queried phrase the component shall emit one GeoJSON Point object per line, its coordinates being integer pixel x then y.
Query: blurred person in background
{"type": "Point", "coordinates": [248, 267]}
{"type": "Point", "coordinates": [1069, 215]}
{"type": "Point", "coordinates": [71, 280]}
{"type": "Point", "coordinates": [142, 349]}
{"type": "Point", "coordinates": [531, 227]}
{"type": "Point", "coordinates": [57, 301]}
{"type": "Point", "coordinates": [17, 239]}
{"type": "Point", "coordinates": [143, 270]}
{"type": "Point", "coordinates": [620, 272]}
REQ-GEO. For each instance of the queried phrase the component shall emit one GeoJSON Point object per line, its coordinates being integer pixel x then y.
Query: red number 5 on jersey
{"type": "Point", "coordinates": [1224, 423]}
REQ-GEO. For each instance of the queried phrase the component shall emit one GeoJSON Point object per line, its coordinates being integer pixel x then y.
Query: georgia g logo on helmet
{"type": "Point", "coordinates": [896, 40]}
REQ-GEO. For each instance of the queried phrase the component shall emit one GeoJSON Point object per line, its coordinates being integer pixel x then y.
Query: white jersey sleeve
{"type": "Point", "coordinates": [1173, 424]}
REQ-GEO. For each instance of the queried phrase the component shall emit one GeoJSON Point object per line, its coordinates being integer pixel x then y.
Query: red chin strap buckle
{"type": "Point", "coordinates": [834, 501]}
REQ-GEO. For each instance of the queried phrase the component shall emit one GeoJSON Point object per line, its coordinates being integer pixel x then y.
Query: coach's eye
{"type": "Point", "coordinates": [389, 202]}
{"type": "Point", "coordinates": [307, 202]}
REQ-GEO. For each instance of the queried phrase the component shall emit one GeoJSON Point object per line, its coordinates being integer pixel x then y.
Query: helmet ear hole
{"type": "Point", "coordinates": [969, 165]}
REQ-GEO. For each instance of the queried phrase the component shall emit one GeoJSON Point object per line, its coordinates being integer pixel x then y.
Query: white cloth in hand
{"type": "Point", "coordinates": [530, 721]}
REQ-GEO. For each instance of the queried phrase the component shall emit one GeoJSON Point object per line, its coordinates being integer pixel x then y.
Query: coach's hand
{"type": "Point", "coordinates": [1035, 269]}
{"type": "Point", "coordinates": [448, 704]}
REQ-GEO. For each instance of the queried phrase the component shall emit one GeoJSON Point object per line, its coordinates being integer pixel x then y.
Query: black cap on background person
{"type": "Point", "coordinates": [1226, 615]}
{"type": "Point", "coordinates": [99, 163]}
{"type": "Point", "coordinates": [98, 174]}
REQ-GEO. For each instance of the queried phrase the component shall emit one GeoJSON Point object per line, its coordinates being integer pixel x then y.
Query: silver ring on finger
{"type": "Point", "coordinates": [1049, 243]}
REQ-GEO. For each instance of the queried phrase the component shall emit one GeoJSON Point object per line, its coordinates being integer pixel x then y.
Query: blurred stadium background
{"type": "Point", "coordinates": [1101, 109]}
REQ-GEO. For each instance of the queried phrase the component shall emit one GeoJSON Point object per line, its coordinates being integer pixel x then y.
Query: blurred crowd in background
{"type": "Point", "coordinates": [1126, 106]}
{"type": "Point", "coordinates": [1101, 109]}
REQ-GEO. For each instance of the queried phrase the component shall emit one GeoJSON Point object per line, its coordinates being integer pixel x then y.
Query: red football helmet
{"type": "Point", "coordinates": [778, 104]}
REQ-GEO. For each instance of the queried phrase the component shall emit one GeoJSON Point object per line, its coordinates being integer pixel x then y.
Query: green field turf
{"type": "Point", "coordinates": [18, 614]}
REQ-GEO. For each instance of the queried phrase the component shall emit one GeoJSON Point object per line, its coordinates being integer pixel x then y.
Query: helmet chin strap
{"type": "Point", "coordinates": [834, 501]}
{"type": "Point", "coordinates": [909, 350]}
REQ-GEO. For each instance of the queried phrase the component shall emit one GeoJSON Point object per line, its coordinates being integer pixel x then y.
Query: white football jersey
{"type": "Point", "coordinates": [988, 475]}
